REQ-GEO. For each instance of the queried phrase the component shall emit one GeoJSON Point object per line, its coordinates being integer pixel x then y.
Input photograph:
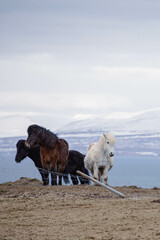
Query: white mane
{"type": "Point", "coordinates": [99, 157]}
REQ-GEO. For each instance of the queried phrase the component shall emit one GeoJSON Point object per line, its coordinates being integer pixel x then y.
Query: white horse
{"type": "Point", "coordinates": [99, 157]}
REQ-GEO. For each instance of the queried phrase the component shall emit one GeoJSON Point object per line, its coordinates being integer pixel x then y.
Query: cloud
{"type": "Point", "coordinates": [73, 57]}
{"type": "Point", "coordinates": [56, 110]}
{"type": "Point", "coordinates": [137, 73]}
{"type": "Point", "coordinates": [59, 102]}
{"type": "Point", "coordinates": [42, 72]}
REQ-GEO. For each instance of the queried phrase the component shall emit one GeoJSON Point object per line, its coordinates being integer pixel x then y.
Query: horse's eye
{"type": "Point", "coordinates": [107, 142]}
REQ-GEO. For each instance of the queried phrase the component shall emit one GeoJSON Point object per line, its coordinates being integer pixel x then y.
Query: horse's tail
{"type": "Point", "coordinates": [66, 174]}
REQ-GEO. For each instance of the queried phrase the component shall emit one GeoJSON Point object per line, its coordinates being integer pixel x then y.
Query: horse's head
{"type": "Point", "coordinates": [22, 151]}
{"type": "Point", "coordinates": [110, 140]}
{"type": "Point", "coordinates": [33, 139]}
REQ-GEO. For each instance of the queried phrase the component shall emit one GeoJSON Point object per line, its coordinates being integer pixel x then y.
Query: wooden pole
{"type": "Point", "coordinates": [101, 184]}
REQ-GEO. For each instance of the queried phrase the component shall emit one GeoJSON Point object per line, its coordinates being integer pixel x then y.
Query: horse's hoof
{"type": "Point", "coordinates": [54, 184]}
{"type": "Point", "coordinates": [45, 184]}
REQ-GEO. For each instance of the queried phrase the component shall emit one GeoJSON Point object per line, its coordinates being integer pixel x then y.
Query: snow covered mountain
{"type": "Point", "coordinates": [145, 123]}
{"type": "Point", "coordinates": [138, 134]}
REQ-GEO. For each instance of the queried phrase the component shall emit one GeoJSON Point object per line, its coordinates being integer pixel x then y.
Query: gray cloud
{"type": "Point", "coordinates": [88, 47]}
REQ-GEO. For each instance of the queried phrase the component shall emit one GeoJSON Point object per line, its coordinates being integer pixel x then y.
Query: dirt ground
{"type": "Point", "coordinates": [29, 210]}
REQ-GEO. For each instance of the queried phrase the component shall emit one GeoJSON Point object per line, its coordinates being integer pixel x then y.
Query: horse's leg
{"type": "Point", "coordinates": [66, 173]}
{"type": "Point", "coordinates": [44, 171]}
{"type": "Point", "coordinates": [60, 179]}
{"type": "Point", "coordinates": [44, 174]}
{"type": "Point", "coordinates": [73, 174]}
{"type": "Point", "coordinates": [105, 175]}
{"type": "Point", "coordinates": [82, 179]}
{"type": "Point", "coordinates": [53, 176]}
{"type": "Point", "coordinates": [92, 172]}
{"type": "Point", "coordinates": [74, 179]}
{"type": "Point", "coordinates": [45, 177]}
{"type": "Point", "coordinates": [99, 175]}
{"type": "Point", "coordinates": [60, 169]}
{"type": "Point", "coordinates": [95, 172]}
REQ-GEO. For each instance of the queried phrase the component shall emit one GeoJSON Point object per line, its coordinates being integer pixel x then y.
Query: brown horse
{"type": "Point", "coordinates": [54, 151]}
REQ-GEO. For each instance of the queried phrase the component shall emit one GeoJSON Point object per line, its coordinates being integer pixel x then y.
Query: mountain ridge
{"type": "Point", "coordinates": [146, 123]}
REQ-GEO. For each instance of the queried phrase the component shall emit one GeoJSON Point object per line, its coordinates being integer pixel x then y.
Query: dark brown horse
{"type": "Point", "coordinates": [53, 151]}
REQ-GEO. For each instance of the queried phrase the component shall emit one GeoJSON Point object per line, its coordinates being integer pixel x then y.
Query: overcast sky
{"type": "Point", "coordinates": [67, 58]}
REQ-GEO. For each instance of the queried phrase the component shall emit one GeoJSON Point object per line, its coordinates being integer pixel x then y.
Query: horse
{"type": "Point", "coordinates": [53, 151]}
{"type": "Point", "coordinates": [99, 158]}
{"type": "Point", "coordinates": [75, 162]}
{"type": "Point", "coordinates": [33, 153]}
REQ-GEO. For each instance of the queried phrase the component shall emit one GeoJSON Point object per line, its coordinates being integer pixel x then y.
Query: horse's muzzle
{"type": "Point", "coordinates": [17, 160]}
{"type": "Point", "coordinates": [111, 154]}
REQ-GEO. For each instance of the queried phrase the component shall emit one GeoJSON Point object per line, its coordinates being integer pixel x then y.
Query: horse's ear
{"type": "Point", "coordinates": [104, 135]}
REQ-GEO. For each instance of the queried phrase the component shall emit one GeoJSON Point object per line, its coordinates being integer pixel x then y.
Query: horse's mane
{"type": "Point", "coordinates": [109, 136]}
{"type": "Point", "coordinates": [47, 138]}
